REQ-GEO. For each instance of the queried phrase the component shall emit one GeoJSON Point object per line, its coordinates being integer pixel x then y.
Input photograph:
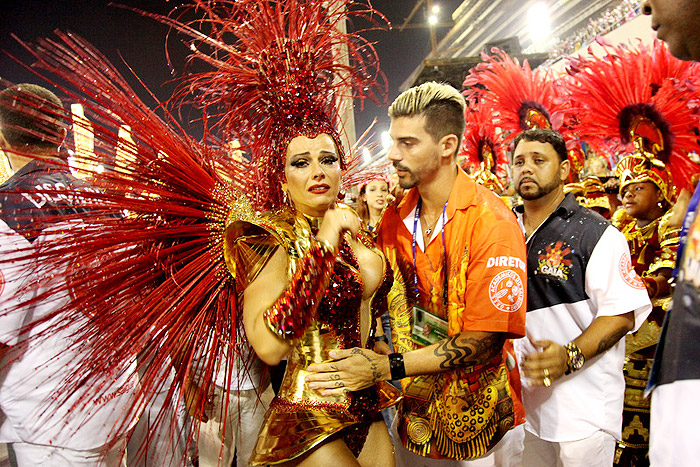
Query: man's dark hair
{"type": "Point", "coordinates": [32, 117]}
{"type": "Point", "coordinates": [544, 135]}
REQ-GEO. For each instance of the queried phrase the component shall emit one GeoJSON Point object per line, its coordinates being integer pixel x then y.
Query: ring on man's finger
{"type": "Point", "coordinates": [546, 372]}
{"type": "Point", "coordinates": [547, 381]}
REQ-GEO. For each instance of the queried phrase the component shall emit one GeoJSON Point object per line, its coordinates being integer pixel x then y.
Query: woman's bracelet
{"type": "Point", "coordinates": [291, 314]}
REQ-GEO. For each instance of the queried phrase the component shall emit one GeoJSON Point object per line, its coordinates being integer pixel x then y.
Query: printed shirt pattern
{"type": "Point", "coordinates": [486, 292]}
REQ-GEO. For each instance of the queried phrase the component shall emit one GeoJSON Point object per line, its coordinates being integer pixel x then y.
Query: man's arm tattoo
{"type": "Point", "coordinates": [468, 351]}
{"type": "Point", "coordinates": [607, 342]}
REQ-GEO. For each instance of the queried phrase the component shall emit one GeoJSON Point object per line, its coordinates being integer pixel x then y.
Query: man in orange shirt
{"type": "Point", "coordinates": [455, 302]}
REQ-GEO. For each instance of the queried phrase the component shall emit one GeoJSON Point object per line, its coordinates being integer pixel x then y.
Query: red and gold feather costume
{"type": "Point", "coordinates": [484, 149]}
{"type": "Point", "coordinates": [516, 98]}
{"type": "Point", "coordinates": [176, 228]}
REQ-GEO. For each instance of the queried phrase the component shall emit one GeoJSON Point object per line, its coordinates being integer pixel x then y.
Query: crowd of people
{"type": "Point", "coordinates": [490, 315]}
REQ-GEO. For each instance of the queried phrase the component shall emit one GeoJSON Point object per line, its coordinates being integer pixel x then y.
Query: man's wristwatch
{"type": "Point", "coordinates": [398, 370]}
{"type": "Point", "coordinates": [576, 358]}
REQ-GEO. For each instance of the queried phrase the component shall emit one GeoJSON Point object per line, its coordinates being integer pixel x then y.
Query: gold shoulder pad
{"type": "Point", "coordinates": [620, 219]}
{"type": "Point", "coordinates": [251, 238]}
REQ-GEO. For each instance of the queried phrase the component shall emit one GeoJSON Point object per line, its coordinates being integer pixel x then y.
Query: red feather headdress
{"type": "Point", "coordinates": [519, 97]}
{"type": "Point", "coordinates": [283, 76]}
{"type": "Point", "coordinates": [639, 100]}
{"type": "Point", "coordinates": [483, 147]}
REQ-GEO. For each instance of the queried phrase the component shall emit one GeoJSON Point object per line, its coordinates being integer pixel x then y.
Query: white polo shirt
{"type": "Point", "coordinates": [579, 268]}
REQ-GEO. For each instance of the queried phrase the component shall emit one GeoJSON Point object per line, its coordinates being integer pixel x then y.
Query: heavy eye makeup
{"type": "Point", "coordinates": [299, 163]}
{"type": "Point", "coordinates": [303, 162]}
{"type": "Point", "coordinates": [330, 159]}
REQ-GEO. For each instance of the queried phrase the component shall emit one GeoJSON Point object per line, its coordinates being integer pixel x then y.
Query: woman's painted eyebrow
{"type": "Point", "coordinates": [308, 153]}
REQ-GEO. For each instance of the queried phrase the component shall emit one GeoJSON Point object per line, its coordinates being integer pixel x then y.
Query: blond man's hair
{"type": "Point", "coordinates": [441, 105]}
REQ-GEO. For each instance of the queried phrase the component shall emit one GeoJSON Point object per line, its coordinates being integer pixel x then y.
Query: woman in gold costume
{"type": "Point", "coordinates": [312, 280]}
{"type": "Point", "coordinates": [322, 287]}
{"type": "Point", "coordinates": [199, 240]}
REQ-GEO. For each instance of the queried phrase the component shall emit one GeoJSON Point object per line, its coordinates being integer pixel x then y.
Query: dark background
{"type": "Point", "coordinates": [141, 42]}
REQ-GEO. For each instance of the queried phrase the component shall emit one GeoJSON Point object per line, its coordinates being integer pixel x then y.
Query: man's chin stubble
{"type": "Point", "coordinates": [529, 196]}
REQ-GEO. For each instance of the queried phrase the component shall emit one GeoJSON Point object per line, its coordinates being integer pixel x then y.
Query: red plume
{"type": "Point", "coordinates": [282, 76]}
{"type": "Point", "coordinates": [483, 147]}
{"type": "Point", "coordinates": [518, 97]}
{"type": "Point", "coordinates": [641, 89]}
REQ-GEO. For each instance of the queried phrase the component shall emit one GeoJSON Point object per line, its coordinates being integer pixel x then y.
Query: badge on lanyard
{"type": "Point", "coordinates": [427, 327]}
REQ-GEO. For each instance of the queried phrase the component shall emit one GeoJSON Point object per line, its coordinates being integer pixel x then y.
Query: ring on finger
{"type": "Point", "coordinates": [547, 381]}
{"type": "Point", "coordinates": [546, 372]}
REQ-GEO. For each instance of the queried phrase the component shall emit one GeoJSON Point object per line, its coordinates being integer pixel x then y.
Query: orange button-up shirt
{"type": "Point", "coordinates": [485, 258]}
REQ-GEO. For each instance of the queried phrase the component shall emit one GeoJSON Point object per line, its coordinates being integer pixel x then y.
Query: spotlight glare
{"type": "Point", "coordinates": [386, 140]}
{"type": "Point", "coordinates": [538, 22]}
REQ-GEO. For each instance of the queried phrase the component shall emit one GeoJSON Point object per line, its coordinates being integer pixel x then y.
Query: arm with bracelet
{"type": "Point", "coordinates": [270, 327]}
{"type": "Point", "coordinates": [469, 348]}
{"type": "Point", "coordinates": [556, 360]}
{"type": "Point", "coordinates": [276, 310]}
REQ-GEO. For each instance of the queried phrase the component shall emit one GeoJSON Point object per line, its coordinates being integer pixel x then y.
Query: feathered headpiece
{"type": "Point", "coordinates": [639, 101]}
{"type": "Point", "coordinates": [284, 75]}
{"type": "Point", "coordinates": [483, 148]}
{"type": "Point", "coordinates": [519, 98]}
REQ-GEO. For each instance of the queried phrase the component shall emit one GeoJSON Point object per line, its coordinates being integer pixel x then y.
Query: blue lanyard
{"type": "Point", "coordinates": [687, 221]}
{"type": "Point", "coordinates": [416, 216]}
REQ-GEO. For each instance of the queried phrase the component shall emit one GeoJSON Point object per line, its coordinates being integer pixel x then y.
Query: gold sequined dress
{"type": "Point", "coordinates": [300, 419]}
